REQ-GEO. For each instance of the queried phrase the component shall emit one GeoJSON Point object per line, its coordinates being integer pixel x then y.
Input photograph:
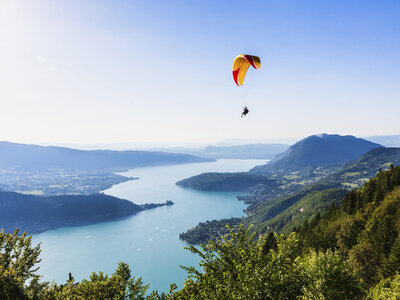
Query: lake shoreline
{"type": "Point", "coordinates": [148, 241]}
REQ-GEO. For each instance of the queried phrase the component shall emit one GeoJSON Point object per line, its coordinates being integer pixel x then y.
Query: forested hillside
{"type": "Point", "coordinates": [351, 252]}
{"type": "Point", "coordinates": [226, 182]}
{"type": "Point", "coordinates": [35, 213]}
{"type": "Point", "coordinates": [365, 228]}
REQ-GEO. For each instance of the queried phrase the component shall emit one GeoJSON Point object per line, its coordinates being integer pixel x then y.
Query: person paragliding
{"type": "Point", "coordinates": [240, 66]}
{"type": "Point", "coordinates": [245, 111]}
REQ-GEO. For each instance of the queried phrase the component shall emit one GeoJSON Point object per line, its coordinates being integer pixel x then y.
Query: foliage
{"type": "Point", "coordinates": [351, 252]}
{"type": "Point", "coordinates": [366, 228]}
{"type": "Point", "coordinates": [306, 208]}
{"type": "Point", "coordinates": [296, 197]}
{"type": "Point", "coordinates": [386, 289]}
{"type": "Point", "coordinates": [271, 267]}
{"type": "Point", "coordinates": [330, 277]}
{"type": "Point", "coordinates": [203, 232]}
{"type": "Point", "coordinates": [121, 285]}
{"type": "Point", "coordinates": [264, 212]}
{"type": "Point", "coordinates": [226, 182]}
{"type": "Point", "coordinates": [18, 278]}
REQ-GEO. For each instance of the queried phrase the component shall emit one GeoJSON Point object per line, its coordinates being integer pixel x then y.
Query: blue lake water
{"type": "Point", "coordinates": [149, 241]}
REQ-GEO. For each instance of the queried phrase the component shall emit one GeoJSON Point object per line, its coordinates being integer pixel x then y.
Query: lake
{"type": "Point", "coordinates": [149, 241]}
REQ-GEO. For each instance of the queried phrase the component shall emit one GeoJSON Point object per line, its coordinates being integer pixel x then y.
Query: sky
{"type": "Point", "coordinates": [88, 72]}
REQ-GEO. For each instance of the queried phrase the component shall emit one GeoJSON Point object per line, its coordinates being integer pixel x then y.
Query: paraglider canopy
{"type": "Point", "coordinates": [241, 64]}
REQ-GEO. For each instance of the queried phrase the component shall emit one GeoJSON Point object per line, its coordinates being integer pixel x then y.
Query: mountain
{"type": "Point", "coordinates": [22, 156]}
{"type": "Point", "coordinates": [385, 140]}
{"type": "Point", "coordinates": [235, 142]}
{"type": "Point", "coordinates": [35, 214]}
{"type": "Point", "coordinates": [367, 165]}
{"type": "Point", "coordinates": [247, 151]}
{"type": "Point", "coordinates": [318, 150]}
{"type": "Point", "coordinates": [250, 151]}
{"type": "Point", "coordinates": [282, 214]}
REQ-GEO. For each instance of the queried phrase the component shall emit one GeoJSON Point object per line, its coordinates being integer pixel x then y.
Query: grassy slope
{"type": "Point", "coordinates": [305, 209]}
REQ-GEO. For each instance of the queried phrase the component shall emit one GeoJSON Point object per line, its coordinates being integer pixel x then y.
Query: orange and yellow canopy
{"type": "Point", "coordinates": [241, 64]}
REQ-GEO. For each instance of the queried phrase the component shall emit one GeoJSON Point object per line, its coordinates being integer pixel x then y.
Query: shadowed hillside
{"type": "Point", "coordinates": [35, 214]}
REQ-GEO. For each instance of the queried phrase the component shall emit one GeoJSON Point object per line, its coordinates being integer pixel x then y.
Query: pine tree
{"type": "Point", "coordinates": [18, 260]}
{"type": "Point", "coordinates": [392, 265]}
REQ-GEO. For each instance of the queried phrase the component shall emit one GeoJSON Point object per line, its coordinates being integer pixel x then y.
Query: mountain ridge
{"type": "Point", "coordinates": [25, 156]}
{"type": "Point", "coordinates": [318, 150]}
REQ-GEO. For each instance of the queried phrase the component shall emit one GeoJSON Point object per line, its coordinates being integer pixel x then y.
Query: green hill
{"type": "Point", "coordinates": [285, 212]}
{"type": "Point", "coordinates": [365, 228]}
{"type": "Point", "coordinates": [225, 182]}
{"type": "Point", "coordinates": [306, 208]}
{"type": "Point", "coordinates": [318, 197]}
{"type": "Point", "coordinates": [35, 214]}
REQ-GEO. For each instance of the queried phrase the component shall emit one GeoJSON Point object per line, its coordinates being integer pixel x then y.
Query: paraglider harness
{"type": "Point", "coordinates": [245, 111]}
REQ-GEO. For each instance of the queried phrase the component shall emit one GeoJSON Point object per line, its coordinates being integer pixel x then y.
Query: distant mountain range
{"type": "Point", "coordinates": [318, 150]}
{"type": "Point", "coordinates": [35, 213]}
{"type": "Point", "coordinates": [247, 151]}
{"type": "Point", "coordinates": [385, 140]}
{"type": "Point", "coordinates": [22, 156]}
{"type": "Point", "coordinates": [251, 151]}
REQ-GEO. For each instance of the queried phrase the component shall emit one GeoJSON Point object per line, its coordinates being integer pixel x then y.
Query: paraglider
{"type": "Point", "coordinates": [240, 66]}
{"type": "Point", "coordinates": [245, 111]}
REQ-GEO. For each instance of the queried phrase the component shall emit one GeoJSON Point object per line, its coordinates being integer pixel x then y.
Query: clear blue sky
{"type": "Point", "coordinates": [160, 71]}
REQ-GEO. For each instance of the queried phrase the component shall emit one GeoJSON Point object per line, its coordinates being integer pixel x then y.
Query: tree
{"type": "Point", "coordinates": [272, 267]}
{"type": "Point", "coordinates": [388, 288]}
{"type": "Point", "coordinates": [329, 277]}
{"type": "Point", "coordinates": [121, 285]}
{"type": "Point", "coordinates": [18, 278]}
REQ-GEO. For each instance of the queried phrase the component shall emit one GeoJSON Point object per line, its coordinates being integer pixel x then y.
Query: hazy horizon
{"type": "Point", "coordinates": [385, 140]}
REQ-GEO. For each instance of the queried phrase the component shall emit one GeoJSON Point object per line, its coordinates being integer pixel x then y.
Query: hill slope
{"type": "Point", "coordinates": [35, 214]}
{"type": "Point", "coordinates": [225, 182]}
{"type": "Point", "coordinates": [365, 228]}
{"type": "Point", "coordinates": [318, 197]}
{"type": "Point", "coordinates": [285, 212]}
